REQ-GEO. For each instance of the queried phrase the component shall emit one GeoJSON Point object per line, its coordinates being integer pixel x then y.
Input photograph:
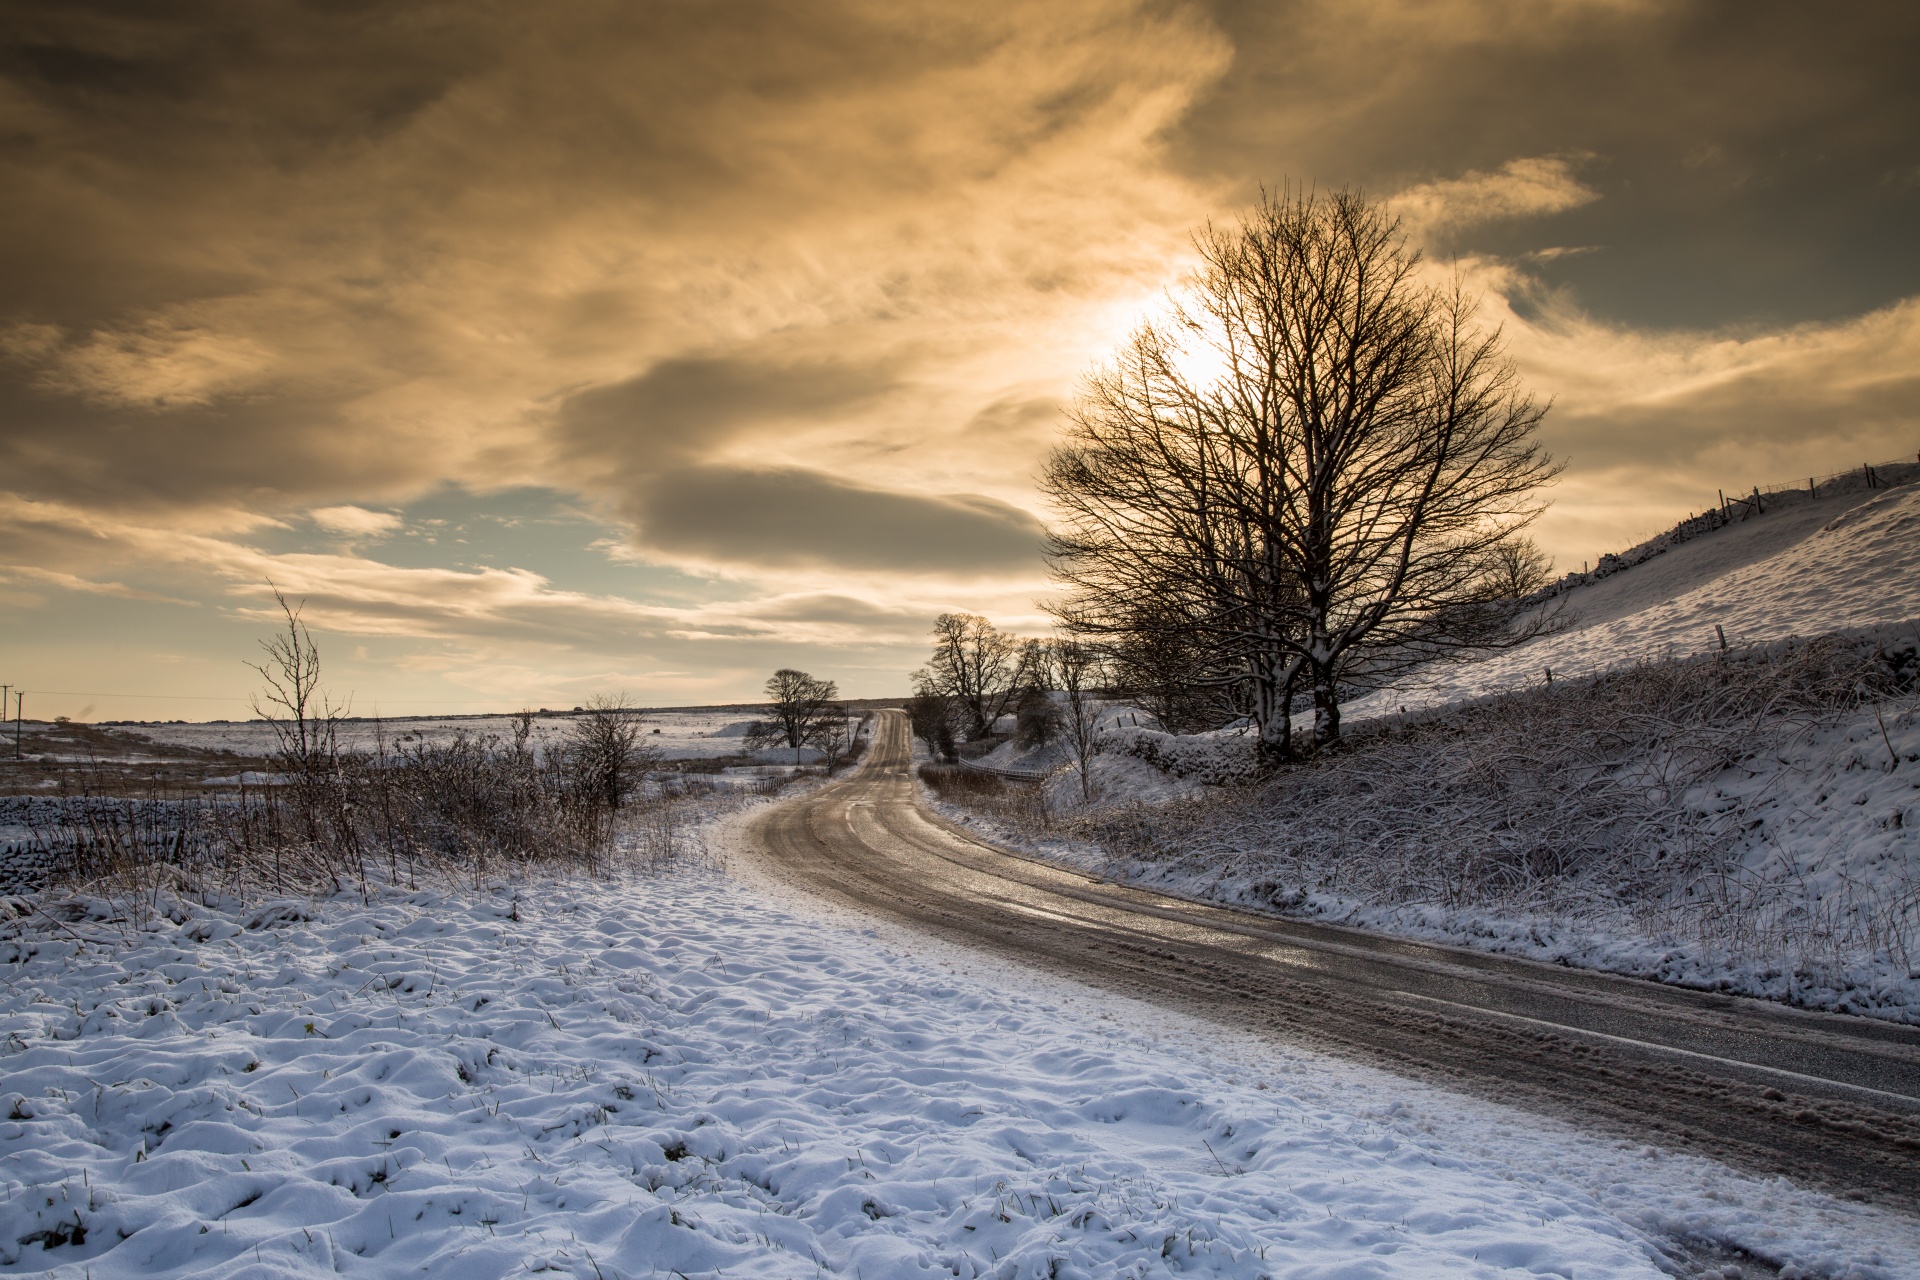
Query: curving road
{"type": "Point", "coordinates": [1823, 1098]}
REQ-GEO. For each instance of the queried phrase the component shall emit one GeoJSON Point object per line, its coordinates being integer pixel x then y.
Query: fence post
{"type": "Point", "coordinates": [1722, 633]}
{"type": "Point", "coordinates": [1757, 508]}
{"type": "Point", "coordinates": [1723, 504]}
{"type": "Point", "coordinates": [1811, 491]}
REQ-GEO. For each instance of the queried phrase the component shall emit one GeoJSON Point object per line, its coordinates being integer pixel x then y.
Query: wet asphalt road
{"type": "Point", "coordinates": [1825, 1099]}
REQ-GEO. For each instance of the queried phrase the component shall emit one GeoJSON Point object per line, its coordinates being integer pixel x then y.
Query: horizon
{"type": "Point", "coordinates": [549, 355]}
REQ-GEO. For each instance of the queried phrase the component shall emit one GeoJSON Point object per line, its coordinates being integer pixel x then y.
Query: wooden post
{"type": "Point", "coordinates": [1549, 677]}
{"type": "Point", "coordinates": [1811, 491]}
{"type": "Point", "coordinates": [1723, 504]}
{"type": "Point", "coordinates": [19, 712]}
{"type": "Point", "coordinates": [1722, 633]}
{"type": "Point", "coordinates": [1757, 508]}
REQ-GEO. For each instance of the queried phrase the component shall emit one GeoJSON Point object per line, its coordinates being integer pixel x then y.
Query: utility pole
{"type": "Point", "coordinates": [19, 710]}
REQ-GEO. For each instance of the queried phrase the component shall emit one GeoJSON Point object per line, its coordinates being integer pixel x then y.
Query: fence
{"type": "Point", "coordinates": [1018, 773]}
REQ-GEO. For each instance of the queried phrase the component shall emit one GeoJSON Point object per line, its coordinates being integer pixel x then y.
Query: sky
{"type": "Point", "coordinates": [545, 351]}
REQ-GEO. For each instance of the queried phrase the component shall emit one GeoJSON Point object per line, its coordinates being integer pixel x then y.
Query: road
{"type": "Point", "coordinates": [1825, 1099]}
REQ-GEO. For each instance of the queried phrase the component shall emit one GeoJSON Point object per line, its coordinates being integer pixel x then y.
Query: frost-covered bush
{"type": "Point", "coordinates": [1216, 759]}
{"type": "Point", "coordinates": [1018, 801]}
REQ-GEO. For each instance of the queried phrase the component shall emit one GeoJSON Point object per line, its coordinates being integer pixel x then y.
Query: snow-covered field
{"type": "Point", "coordinates": [697, 1075]}
{"type": "Point", "coordinates": [697, 734]}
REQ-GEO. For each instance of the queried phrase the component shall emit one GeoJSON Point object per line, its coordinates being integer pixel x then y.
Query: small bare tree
{"type": "Point", "coordinates": [932, 716]}
{"type": "Point", "coordinates": [1077, 667]}
{"type": "Point", "coordinates": [305, 724]}
{"type": "Point", "coordinates": [304, 720]}
{"type": "Point", "coordinates": [832, 736]}
{"type": "Point", "coordinates": [1517, 567]}
{"type": "Point", "coordinates": [1036, 715]}
{"type": "Point", "coordinates": [607, 754]}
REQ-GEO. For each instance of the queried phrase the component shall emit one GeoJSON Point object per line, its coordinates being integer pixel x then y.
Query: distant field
{"type": "Point", "coordinates": [699, 733]}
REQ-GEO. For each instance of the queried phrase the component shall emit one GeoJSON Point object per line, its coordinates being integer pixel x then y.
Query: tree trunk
{"type": "Point", "coordinates": [1326, 706]}
{"type": "Point", "coordinates": [1273, 710]}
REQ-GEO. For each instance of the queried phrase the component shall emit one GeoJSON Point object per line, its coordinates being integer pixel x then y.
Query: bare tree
{"type": "Point", "coordinates": [833, 736]}
{"type": "Point", "coordinates": [932, 717]}
{"type": "Point", "coordinates": [1304, 468]}
{"type": "Point", "coordinates": [796, 705]}
{"type": "Point", "coordinates": [608, 756]}
{"type": "Point", "coordinates": [304, 720]}
{"type": "Point", "coordinates": [1036, 715]}
{"type": "Point", "coordinates": [1516, 568]}
{"type": "Point", "coordinates": [1166, 667]}
{"type": "Point", "coordinates": [976, 666]}
{"type": "Point", "coordinates": [1076, 667]}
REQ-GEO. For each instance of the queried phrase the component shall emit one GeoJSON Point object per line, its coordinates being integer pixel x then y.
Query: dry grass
{"type": "Point", "coordinates": [468, 809]}
{"type": "Point", "coordinates": [1018, 803]}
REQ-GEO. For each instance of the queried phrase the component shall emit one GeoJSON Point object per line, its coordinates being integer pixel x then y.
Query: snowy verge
{"type": "Point", "coordinates": [641, 1076]}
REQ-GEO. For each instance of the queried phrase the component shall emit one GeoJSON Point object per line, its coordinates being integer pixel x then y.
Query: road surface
{"type": "Point", "coordinates": [1825, 1099]}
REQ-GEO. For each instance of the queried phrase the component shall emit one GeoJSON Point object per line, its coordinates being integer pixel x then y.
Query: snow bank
{"type": "Point", "coordinates": [642, 1077]}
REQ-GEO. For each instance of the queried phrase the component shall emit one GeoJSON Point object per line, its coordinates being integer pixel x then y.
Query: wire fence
{"type": "Point", "coordinates": [1868, 475]}
{"type": "Point", "coordinates": [1735, 508]}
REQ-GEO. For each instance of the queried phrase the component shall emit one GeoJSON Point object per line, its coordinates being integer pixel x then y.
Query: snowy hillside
{"type": "Point", "coordinates": [693, 1076]}
{"type": "Point", "coordinates": [1848, 562]}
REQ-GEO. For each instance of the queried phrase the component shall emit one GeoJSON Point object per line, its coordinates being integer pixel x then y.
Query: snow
{"type": "Point", "coordinates": [699, 1072]}
{"type": "Point", "coordinates": [1851, 562]}
{"type": "Point", "coordinates": [698, 733]}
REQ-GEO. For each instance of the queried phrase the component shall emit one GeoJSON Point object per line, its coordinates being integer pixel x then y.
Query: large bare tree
{"type": "Point", "coordinates": [1310, 466]}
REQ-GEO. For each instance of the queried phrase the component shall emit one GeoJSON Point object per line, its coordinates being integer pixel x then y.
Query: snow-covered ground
{"type": "Point", "coordinates": [697, 1074]}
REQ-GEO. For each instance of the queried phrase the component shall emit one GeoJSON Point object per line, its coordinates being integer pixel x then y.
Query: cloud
{"type": "Point", "coordinates": [1525, 188]}
{"type": "Point", "coordinates": [686, 408]}
{"type": "Point", "coordinates": [776, 517]}
{"type": "Point", "coordinates": [1654, 422]}
{"type": "Point", "coordinates": [164, 362]}
{"type": "Point", "coordinates": [86, 586]}
{"type": "Point", "coordinates": [356, 522]}
{"type": "Point", "coordinates": [389, 240]}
